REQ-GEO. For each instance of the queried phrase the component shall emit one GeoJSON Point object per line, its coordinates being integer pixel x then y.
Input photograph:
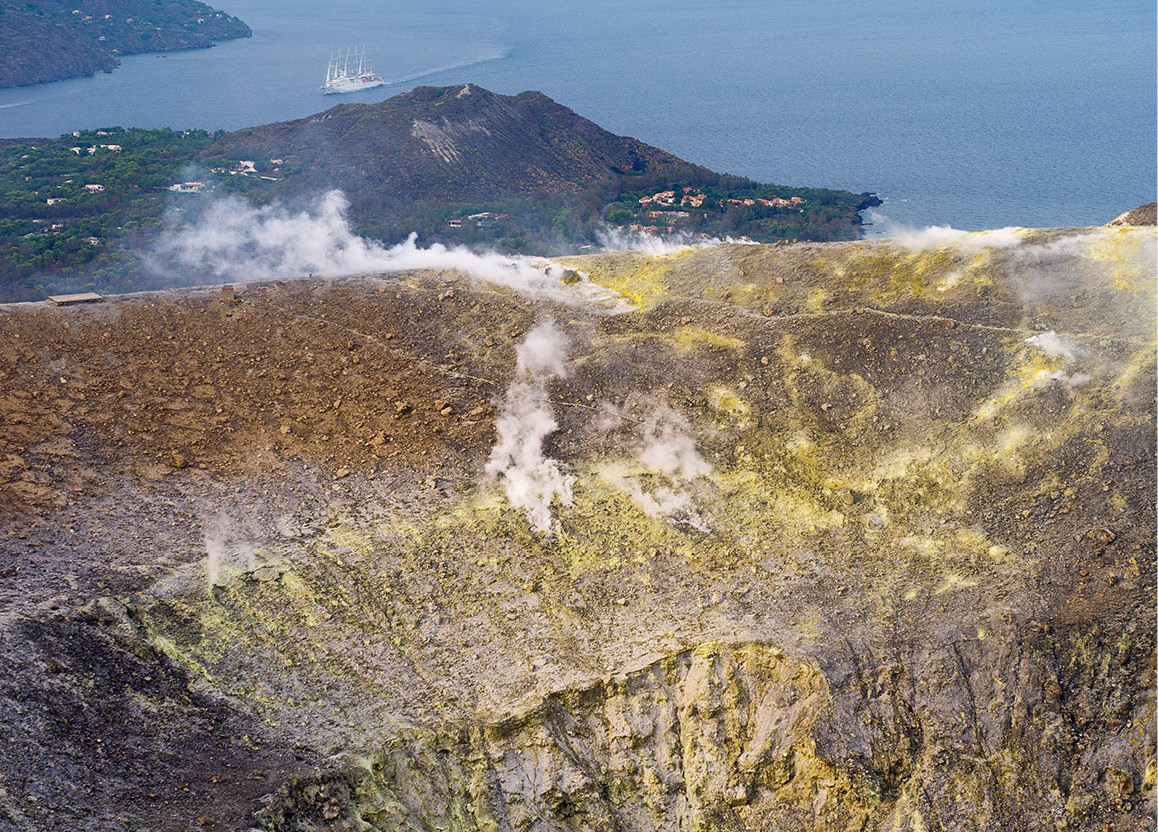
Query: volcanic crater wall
{"type": "Point", "coordinates": [843, 536]}
{"type": "Point", "coordinates": [739, 736]}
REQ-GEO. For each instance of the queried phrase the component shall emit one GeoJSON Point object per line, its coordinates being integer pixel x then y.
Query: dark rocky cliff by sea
{"type": "Point", "coordinates": [52, 40]}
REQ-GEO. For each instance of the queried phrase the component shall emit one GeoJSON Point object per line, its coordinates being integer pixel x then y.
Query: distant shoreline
{"type": "Point", "coordinates": [518, 174]}
{"type": "Point", "coordinates": [42, 46]}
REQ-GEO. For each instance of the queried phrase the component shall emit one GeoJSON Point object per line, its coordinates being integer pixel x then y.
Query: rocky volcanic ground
{"type": "Point", "coordinates": [843, 536]}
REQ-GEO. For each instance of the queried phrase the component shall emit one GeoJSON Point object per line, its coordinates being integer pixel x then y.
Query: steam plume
{"type": "Point", "coordinates": [665, 447]}
{"type": "Point", "coordinates": [225, 548]}
{"type": "Point", "coordinates": [943, 236]}
{"type": "Point", "coordinates": [532, 482]}
{"type": "Point", "coordinates": [612, 238]}
{"type": "Point", "coordinates": [1053, 345]}
{"type": "Point", "coordinates": [231, 240]}
{"type": "Point", "coordinates": [1057, 346]}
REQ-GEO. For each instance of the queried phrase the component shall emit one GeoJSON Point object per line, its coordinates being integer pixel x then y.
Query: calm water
{"type": "Point", "coordinates": [984, 114]}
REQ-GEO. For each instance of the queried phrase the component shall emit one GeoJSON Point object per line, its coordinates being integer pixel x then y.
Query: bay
{"type": "Point", "coordinates": [975, 114]}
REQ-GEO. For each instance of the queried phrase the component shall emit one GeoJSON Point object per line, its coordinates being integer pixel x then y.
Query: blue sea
{"type": "Point", "coordinates": [974, 114]}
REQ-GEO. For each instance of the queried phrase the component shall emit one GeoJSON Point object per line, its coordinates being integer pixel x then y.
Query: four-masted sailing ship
{"type": "Point", "coordinates": [350, 73]}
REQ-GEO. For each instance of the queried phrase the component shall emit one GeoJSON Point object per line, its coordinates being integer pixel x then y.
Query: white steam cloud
{"type": "Point", "coordinates": [1067, 264]}
{"type": "Point", "coordinates": [666, 446]}
{"type": "Point", "coordinates": [1048, 253]}
{"type": "Point", "coordinates": [227, 548]}
{"type": "Point", "coordinates": [612, 238]}
{"type": "Point", "coordinates": [231, 240]}
{"type": "Point", "coordinates": [532, 482]}
{"type": "Point", "coordinates": [666, 449]}
{"type": "Point", "coordinates": [943, 236]}
{"type": "Point", "coordinates": [1057, 346]}
{"type": "Point", "coordinates": [1053, 345]}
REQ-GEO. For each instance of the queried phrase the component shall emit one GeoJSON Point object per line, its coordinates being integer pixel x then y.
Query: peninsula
{"type": "Point", "coordinates": [52, 40]}
{"type": "Point", "coordinates": [461, 165]}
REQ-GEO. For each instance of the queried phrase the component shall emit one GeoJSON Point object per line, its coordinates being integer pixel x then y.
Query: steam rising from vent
{"type": "Point", "coordinates": [612, 238]}
{"type": "Point", "coordinates": [531, 481]}
{"type": "Point", "coordinates": [1056, 346]}
{"type": "Point", "coordinates": [1053, 345]}
{"type": "Point", "coordinates": [665, 448]}
{"type": "Point", "coordinates": [226, 549]}
{"type": "Point", "coordinates": [943, 236]}
{"type": "Point", "coordinates": [231, 240]}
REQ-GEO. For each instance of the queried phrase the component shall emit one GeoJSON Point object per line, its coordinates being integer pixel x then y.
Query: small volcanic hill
{"type": "Point", "coordinates": [1142, 215]}
{"type": "Point", "coordinates": [413, 162]}
{"type": "Point", "coordinates": [451, 143]}
{"type": "Point", "coordinates": [779, 537]}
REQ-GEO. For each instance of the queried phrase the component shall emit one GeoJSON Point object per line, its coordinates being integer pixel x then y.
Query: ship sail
{"type": "Point", "coordinates": [339, 77]}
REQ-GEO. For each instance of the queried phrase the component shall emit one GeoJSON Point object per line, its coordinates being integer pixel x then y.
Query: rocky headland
{"type": "Point", "coordinates": [51, 40]}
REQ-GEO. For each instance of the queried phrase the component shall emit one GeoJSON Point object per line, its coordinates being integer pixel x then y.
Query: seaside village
{"type": "Point", "coordinates": [694, 198]}
{"type": "Point", "coordinates": [669, 200]}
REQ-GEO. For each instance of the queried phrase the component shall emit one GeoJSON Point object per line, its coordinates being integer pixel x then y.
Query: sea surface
{"type": "Point", "coordinates": [974, 114]}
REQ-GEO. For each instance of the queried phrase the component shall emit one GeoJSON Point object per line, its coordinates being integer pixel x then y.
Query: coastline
{"type": "Point", "coordinates": [44, 48]}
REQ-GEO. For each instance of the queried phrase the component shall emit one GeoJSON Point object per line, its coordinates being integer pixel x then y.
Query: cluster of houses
{"type": "Point", "coordinates": [651, 229]}
{"type": "Point", "coordinates": [484, 219]}
{"type": "Point", "coordinates": [59, 226]}
{"type": "Point", "coordinates": [243, 168]}
{"type": "Point", "coordinates": [690, 197]}
{"type": "Point", "coordinates": [774, 202]}
{"type": "Point", "coordinates": [88, 17]}
{"type": "Point", "coordinates": [115, 148]}
{"type": "Point", "coordinates": [52, 228]}
{"type": "Point", "coordinates": [695, 199]}
{"type": "Point", "coordinates": [92, 188]}
{"type": "Point", "coordinates": [246, 167]}
{"type": "Point", "coordinates": [186, 187]}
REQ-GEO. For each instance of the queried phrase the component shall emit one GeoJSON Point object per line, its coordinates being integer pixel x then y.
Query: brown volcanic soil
{"type": "Point", "coordinates": [333, 376]}
{"type": "Point", "coordinates": [933, 567]}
